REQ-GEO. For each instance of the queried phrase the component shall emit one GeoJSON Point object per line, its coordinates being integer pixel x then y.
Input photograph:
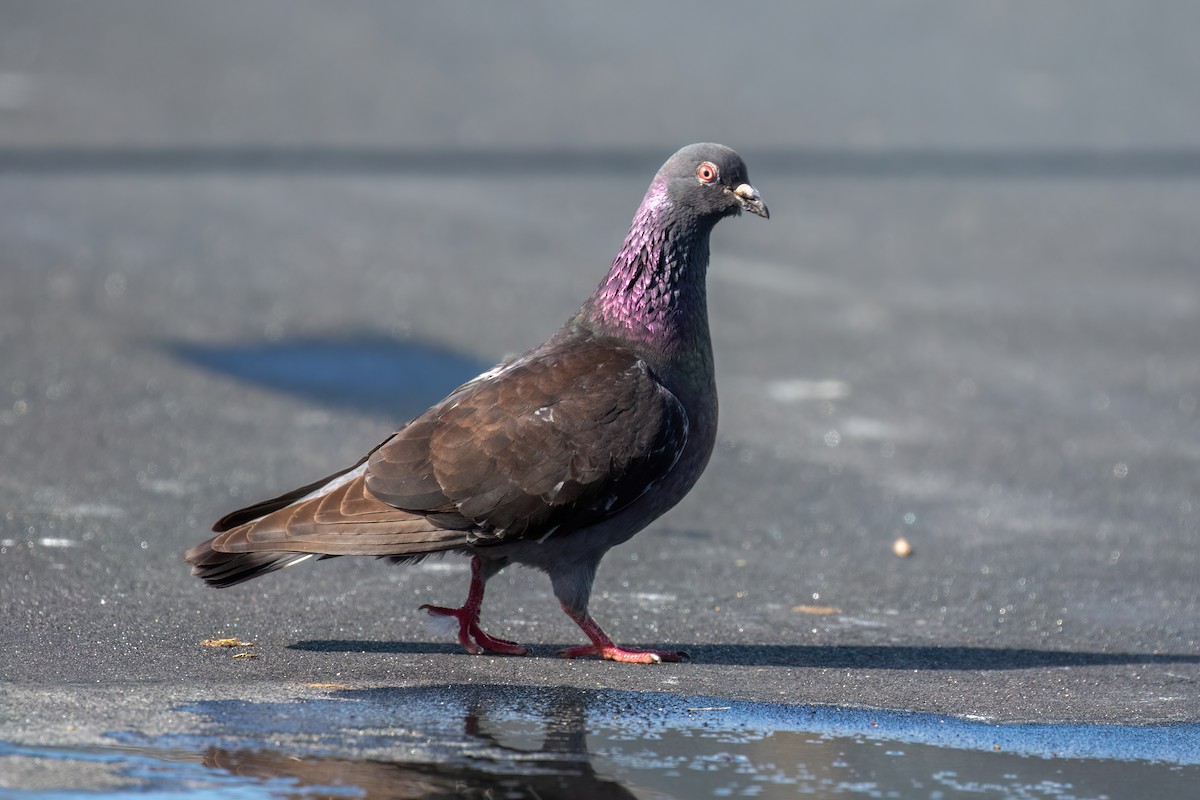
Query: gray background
{"type": "Point", "coordinates": [241, 242]}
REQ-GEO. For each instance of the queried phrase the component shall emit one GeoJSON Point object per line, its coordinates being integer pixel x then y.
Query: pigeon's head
{"type": "Point", "coordinates": [709, 180]}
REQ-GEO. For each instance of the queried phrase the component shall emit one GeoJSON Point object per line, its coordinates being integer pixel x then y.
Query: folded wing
{"type": "Point", "coordinates": [549, 444]}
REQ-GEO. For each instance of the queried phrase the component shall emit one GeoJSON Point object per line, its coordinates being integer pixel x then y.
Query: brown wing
{"type": "Point", "coordinates": [557, 440]}
{"type": "Point", "coordinates": [243, 515]}
{"type": "Point", "coordinates": [560, 439]}
{"type": "Point", "coordinates": [342, 518]}
{"type": "Point", "coordinates": [331, 517]}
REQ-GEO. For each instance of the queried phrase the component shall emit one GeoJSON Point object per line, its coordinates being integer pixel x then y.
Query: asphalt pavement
{"type": "Point", "coordinates": [239, 246]}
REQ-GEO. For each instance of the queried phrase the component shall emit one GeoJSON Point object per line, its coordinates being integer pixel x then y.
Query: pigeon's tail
{"type": "Point", "coordinates": [339, 517]}
{"type": "Point", "coordinates": [225, 560]}
{"type": "Point", "coordinates": [227, 569]}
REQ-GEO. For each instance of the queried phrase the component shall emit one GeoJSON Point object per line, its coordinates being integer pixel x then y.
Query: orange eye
{"type": "Point", "coordinates": [706, 172]}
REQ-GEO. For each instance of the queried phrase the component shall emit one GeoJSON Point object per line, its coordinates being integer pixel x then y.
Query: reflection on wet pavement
{"type": "Point", "coordinates": [503, 741]}
{"type": "Point", "coordinates": [376, 780]}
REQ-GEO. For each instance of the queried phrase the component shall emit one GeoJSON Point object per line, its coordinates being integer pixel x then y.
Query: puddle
{"type": "Point", "coordinates": [513, 742]}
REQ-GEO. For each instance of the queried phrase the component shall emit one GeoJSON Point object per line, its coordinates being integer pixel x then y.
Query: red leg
{"type": "Point", "coordinates": [603, 646]}
{"type": "Point", "coordinates": [470, 635]}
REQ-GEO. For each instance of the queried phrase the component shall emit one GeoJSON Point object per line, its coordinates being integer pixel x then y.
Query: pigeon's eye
{"type": "Point", "coordinates": [706, 172]}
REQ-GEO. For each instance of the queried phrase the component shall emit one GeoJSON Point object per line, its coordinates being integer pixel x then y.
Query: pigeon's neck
{"type": "Point", "coordinates": [654, 296]}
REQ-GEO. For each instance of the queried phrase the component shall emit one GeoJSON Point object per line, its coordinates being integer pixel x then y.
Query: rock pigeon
{"type": "Point", "coordinates": [546, 460]}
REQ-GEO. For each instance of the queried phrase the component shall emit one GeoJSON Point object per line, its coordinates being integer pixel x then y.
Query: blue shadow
{"type": "Point", "coordinates": [364, 372]}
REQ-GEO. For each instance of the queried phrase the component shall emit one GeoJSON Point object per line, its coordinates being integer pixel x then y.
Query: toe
{"type": "Point", "coordinates": [581, 650]}
{"type": "Point", "coordinates": [624, 655]}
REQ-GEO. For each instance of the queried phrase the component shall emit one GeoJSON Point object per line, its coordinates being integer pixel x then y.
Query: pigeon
{"type": "Point", "coordinates": [549, 459]}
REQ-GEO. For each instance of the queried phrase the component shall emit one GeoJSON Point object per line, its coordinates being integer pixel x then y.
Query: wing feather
{"type": "Point", "coordinates": [558, 441]}
{"type": "Point", "coordinates": [549, 444]}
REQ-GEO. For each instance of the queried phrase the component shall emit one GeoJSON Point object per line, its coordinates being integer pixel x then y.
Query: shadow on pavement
{"type": "Point", "coordinates": [365, 372]}
{"type": "Point", "coordinates": [782, 655]}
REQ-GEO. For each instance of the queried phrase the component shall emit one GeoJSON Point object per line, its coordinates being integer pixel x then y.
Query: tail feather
{"type": "Point", "coordinates": [259, 510]}
{"type": "Point", "coordinates": [341, 518]}
{"type": "Point", "coordinates": [228, 569]}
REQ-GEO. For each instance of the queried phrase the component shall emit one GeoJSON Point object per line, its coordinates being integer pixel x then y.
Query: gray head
{"type": "Point", "coordinates": [708, 181]}
{"type": "Point", "coordinates": [655, 291]}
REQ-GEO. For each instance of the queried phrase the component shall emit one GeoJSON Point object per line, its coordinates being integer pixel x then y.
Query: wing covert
{"type": "Point", "coordinates": [560, 439]}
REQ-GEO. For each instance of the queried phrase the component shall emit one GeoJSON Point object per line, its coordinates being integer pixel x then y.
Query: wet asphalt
{"type": "Point", "coordinates": [238, 247]}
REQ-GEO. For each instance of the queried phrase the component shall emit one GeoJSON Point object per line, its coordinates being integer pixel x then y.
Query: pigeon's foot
{"type": "Point", "coordinates": [473, 638]}
{"type": "Point", "coordinates": [604, 647]}
{"type": "Point", "coordinates": [629, 656]}
{"type": "Point", "coordinates": [470, 635]}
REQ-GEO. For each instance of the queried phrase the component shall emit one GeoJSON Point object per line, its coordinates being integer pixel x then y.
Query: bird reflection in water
{"type": "Point", "coordinates": [560, 768]}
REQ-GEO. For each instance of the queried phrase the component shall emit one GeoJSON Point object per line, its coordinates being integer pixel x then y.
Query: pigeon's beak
{"type": "Point", "coordinates": [749, 200]}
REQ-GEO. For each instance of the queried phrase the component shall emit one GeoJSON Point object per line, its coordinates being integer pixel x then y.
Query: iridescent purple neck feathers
{"type": "Point", "coordinates": [654, 294]}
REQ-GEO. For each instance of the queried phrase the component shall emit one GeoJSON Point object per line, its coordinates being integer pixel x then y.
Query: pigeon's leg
{"type": "Point", "coordinates": [470, 635]}
{"type": "Point", "coordinates": [603, 646]}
